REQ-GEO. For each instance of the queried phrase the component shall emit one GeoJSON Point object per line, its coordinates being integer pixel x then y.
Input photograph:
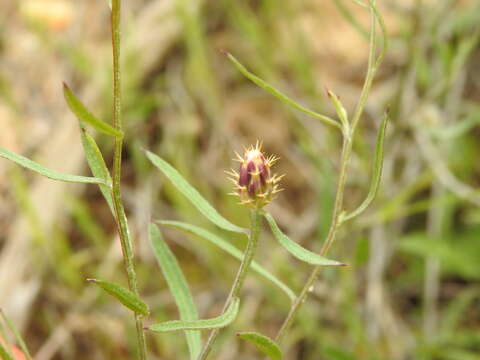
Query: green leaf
{"type": "Point", "coordinates": [263, 343]}
{"type": "Point", "coordinates": [279, 95]}
{"type": "Point", "coordinates": [178, 286]}
{"type": "Point", "coordinates": [125, 296]}
{"type": "Point", "coordinates": [376, 172]}
{"type": "Point", "coordinates": [52, 174]}
{"type": "Point", "coordinates": [97, 166]}
{"type": "Point", "coordinates": [214, 323]}
{"type": "Point", "coordinates": [85, 116]}
{"type": "Point", "coordinates": [192, 194]}
{"type": "Point", "coordinates": [341, 111]}
{"type": "Point", "coordinates": [295, 249]}
{"type": "Point", "coordinates": [232, 250]}
{"type": "Point", "coordinates": [17, 335]}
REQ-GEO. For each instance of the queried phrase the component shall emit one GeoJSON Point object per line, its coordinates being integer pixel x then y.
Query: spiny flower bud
{"type": "Point", "coordinates": [254, 183]}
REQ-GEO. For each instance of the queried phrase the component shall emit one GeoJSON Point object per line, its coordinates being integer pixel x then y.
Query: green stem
{"type": "Point", "coordinates": [125, 240]}
{"type": "Point", "coordinates": [337, 210]}
{"type": "Point", "coordinates": [255, 221]}
{"type": "Point", "coordinates": [373, 65]}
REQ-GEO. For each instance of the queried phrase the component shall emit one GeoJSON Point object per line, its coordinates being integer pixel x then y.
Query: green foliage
{"type": "Point", "coordinates": [214, 323]}
{"type": "Point", "coordinates": [178, 286]}
{"type": "Point", "coordinates": [278, 94]}
{"type": "Point", "coordinates": [192, 194]}
{"type": "Point", "coordinates": [52, 174]}
{"type": "Point", "coordinates": [227, 247]}
{"type": "Point", "coordinates": [85, 116]}
{"type": "Point", "coordinates": [376, 172]}
{"type": "Point", "coordinates": [125, 296]}
{"type": "Point", "coordinates": [263, 343]}
{"type": "Point", "coordinates": [97, 166]}
{"type": "Point", "coordinates": [296, 250]}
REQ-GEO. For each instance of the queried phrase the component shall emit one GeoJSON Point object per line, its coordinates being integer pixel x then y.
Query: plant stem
{"type": "Point", "coordinates": [125, 239]}
{"type": "Point", "coordinates": [337, 209]}
{"type": "Point", "coordinates": [373, 64]}
{"type": "Point", "coordinates": [255, 221]}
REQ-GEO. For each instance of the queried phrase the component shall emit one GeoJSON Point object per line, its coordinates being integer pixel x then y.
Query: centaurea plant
{"type": "Point", "coordinates": [255, 185]}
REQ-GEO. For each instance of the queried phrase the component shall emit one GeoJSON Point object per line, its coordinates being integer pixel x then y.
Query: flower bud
{"type": "Point", "coordinates": [254, 183]}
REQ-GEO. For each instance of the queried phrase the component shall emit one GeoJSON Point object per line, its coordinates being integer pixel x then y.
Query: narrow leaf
{"type": "Point", "coordinates": [340, 109]}
{"type": "Point", "coordinates": [278, 94]}
{"type": "Point", "coordinates": [97, 166]}
{"type": "Point", "coordinates": [178, 286]}
{"type": "Point", "coordinates": [125, 296]}
{"type": "Point", "coordinates": [85, 116]}
{"type": "Point", "coordinates": [17, 335]}
{"type": "Point", "coordinates": [295, 249]}
{"type": "Point", "coordinates": [263, 343]}
{"type": "Point", "coordinates": [192, 194]}
{"type": "Point", "coordinates": [52, 174]}
{"type": "Point", "coordinates": [232, 250]}
{"type": "Point", "coordinates": [214, 323]}
{"type": "Point", "coordinates": [376, 172]}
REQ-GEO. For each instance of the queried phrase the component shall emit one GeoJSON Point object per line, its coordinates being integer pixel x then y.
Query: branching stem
{"type": "Point", "coordinates": [346, 150]}
{"type": "Point", "coordinates": [121, 219]}
{"type": "Point", "coordinates": [348, 134]}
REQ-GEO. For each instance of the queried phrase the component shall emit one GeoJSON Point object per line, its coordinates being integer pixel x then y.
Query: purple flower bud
{"type": "Point", "coordinates": [255, 184]}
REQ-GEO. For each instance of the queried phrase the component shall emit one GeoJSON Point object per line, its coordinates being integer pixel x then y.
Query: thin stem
{"type": "Point", "coordinates": [125, 240]}
{"type": "Point", "coordinates": [255, 221]}
{"type": "Point", "coordinates": [373, 64]}
{"type": "Point", "coordinates": [337, 210]}
{"type": "Point", "coordinates": [372, 68]}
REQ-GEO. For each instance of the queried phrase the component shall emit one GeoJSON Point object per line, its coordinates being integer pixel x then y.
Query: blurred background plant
{"type": "Point", "coordinates": [411, 290]}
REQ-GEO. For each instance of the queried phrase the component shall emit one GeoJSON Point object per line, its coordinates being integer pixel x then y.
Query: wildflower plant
{"type": "Point", "coordinates": [255, 184]}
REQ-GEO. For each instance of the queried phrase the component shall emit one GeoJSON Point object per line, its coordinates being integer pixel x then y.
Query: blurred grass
{"type": "Point", "coordinates": [194, 109]}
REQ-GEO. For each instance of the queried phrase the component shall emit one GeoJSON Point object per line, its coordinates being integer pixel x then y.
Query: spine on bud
{"type": "Point", "coordinates": [254, 183]}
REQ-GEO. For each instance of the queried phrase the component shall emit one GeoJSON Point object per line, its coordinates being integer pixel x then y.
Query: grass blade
{"type": "Point", "coordinates": [295, 249]}
{"type": "Point", "coordinates": [214, 323]}
{"type": "Point", "coordinates": [85, 116]}
{"type": "Point", "coordinates": [52, 174]}
{"type": "Point", "coordinates": [125, 296]}
{"type": "Point", "coordinates": [17, 335]}
{"type": "Point", "coordinates": [178, 286]}
{"type": "Point", "coordinates": [97, 166]}
{"type": "Point", "coordinates": [279, 95]}
{"type": "Point", "coordinates": [192, 194]}
{"type": "Point", "coordinates": [376, 172]}
{"type": "Point", "coordinates": [232, 250]}
{"type": "Point", "coordinates": [263, 343]}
